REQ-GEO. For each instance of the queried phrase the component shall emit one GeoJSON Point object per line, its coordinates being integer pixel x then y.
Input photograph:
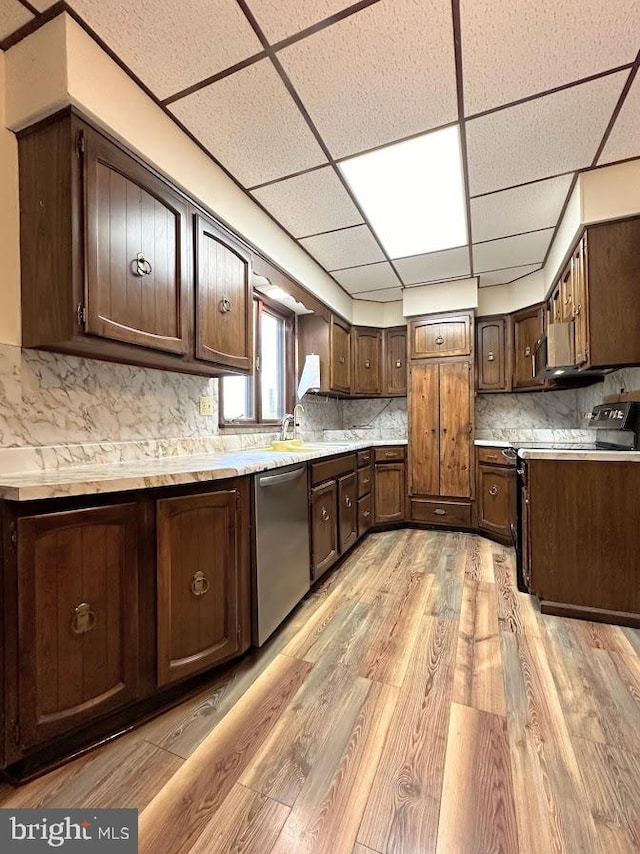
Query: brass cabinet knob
{"type": "Point", "coordinates": [439, 340]}
{"type": "Point", "coordinates": [199, 583]}
{"type": "Point", "coordinates": [366, 514]}
{"type": "Point", "coordinates": [347, 501]}
{"type": "Point", "coordinates": [366, 479]}
{"type": "Point", "coordinates": [490, 356]}
{"type": "Point", "coordinates": [527, 351]}
{"type": "Point", "coordinates": [440, 512]}
{"type": "Point", "coordinates": [140, 266]}
{"type": "Point", "coordinates": [367, 364]}
{"type": "Point", "coordinates": [493, 490]}
{"type": "Point", "coordinates": [83, 619]}
{"type": "Point", "coordinates": [324, 514]}
{"type": "Point", "coordinates": [342, 360]}
{"type": "Point", "coordinates": [398, 363]}
{"type": "Point", "coordinates": [224, 305]}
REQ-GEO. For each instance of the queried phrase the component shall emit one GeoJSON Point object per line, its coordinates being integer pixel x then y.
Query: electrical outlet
{"type": "Point", "coordinates": [206, 405]}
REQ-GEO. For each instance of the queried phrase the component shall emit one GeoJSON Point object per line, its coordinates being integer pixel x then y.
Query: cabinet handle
{"type": "Point", "coordinates": [389, 453]}
{"type": "Point", "coordinates": [347, 501]}
{"type": "Point", "coordinates": [325, 515]}
{"type": "Point", "coordinates": [577, 310]}
{"type": "Point", "coordinates": [83, 619]}
{"type": "Point", "coordinates": [490, 356]}
{"type": "Point", "coordinates": [527, 351]}
{"type": "Point", "coordinates": [398, 363]}
{"type": "Point", "coordinates": [366, 514]}
{"type": "Point", "coordinates": [367, 364]}
{"type": "Point", "coordinates": [199, 584]}
{"type": "Point", "coordinates": [341, 360]}
{"type": "Point", "coordinates": [439, 340]}
{"type": "Point", "coordinates": [366, 479]}
{"type": "Point", "coordinates": [440, 512]}
{"type": "Point", "coordinates": [140, 266]}
{"type": "Point", "coordinates": [224, 305]}
{"type": "Point", "coordinates": [493, 490]}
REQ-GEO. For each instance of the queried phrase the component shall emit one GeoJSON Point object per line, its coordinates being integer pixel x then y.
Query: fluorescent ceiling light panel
{"type": "Point", "coordinates": [413, 193]}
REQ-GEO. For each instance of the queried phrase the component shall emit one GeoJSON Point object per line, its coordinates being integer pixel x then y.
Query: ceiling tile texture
{"type": "Point", "coordinates": [350, 77]}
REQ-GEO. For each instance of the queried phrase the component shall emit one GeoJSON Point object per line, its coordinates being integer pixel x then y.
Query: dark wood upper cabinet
{"type": "Point", "coordinates": [136, 243]}
{"type": "Point", "coordinates": [433, 337]}
{"type": "Point", "coordinates": [394, 362]}
{"type": "Point", "coordinates": [367, 360]}
{"type": "Point", "coordinates": [340, 347]}
{"type": "Point", "coordinates": [528, 329]}
{"type": "Point", "coordinates": [330, 339]}
{"type": "Point", "coordinates": [77, 576]}
{"type": "Point", "coordinates": [200, 613]}
{"type": "Point", "coordinates": [493, 342]}
{"type": "Point", "coordinates": [224, 328]}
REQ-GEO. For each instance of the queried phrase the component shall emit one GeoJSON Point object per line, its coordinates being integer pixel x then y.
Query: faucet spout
{"type": "Point", "coordinates": [284, 426]}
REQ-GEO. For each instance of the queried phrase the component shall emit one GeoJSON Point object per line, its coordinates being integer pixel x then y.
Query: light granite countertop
{"type": "Point", "coordinates": [90, 479]}
{"type": "Point", "coordinates": [577, 454]}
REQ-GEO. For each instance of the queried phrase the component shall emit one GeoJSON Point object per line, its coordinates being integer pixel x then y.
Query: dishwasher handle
{"type": "Point", "coordinates": [277, 479]}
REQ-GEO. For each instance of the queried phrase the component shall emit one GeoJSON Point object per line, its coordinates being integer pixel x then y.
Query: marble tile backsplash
{"type": "Point", "coordinates": [334, 420]}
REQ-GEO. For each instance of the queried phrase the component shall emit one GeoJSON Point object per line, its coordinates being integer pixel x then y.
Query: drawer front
{"type": "Point", "coordinates": [334, 467]}
{"type": "Point", "coordinates": [389, 455]}
{"type": "Point", "coordinates": [447, 513]}
{"type": "Point", "coordinates": [365, 481]}
{"type": "Point", "coordinates": [497, 456]}
{"type": "Point", "coordinates": [364, 458]}
{"type": "Point", "coordinates": [365, 516]}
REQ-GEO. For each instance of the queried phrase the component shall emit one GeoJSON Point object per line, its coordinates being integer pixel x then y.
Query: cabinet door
{"type": "Point", "coordinates": [224, 306]}
{"type": "Point", "coordinates": [434, 337]}
{"type": "Point", "coordinates": [324, 527]}
{"type": "Point", "coordinates": [340, 357]}
{"type": "Point", "coordinates": [137, 252]}
{"type": "Point", "coordinates": [198, 583]}
{"type": "Point", "coordinates": [394, 373]}
{"type": "Point", "coordinates": [347, 511]}
{"type": "Point", "coordinates": [78, 618]}
{"type": "Point", "coordinates": [563, 312]}
{"type": "Point", "coordinates": [580, 302]}
{"type": "Point", "coordinates": [367, 362]}
{"type": "Point", "coordinates": [492, 354]}
{"type": "Point", "coordinates": [497, 501]}
{"type": "Point", "coordinates": [528, 328]}
{"type": "Point", "coordinates": [389, 492]}
{"type": "Point", "coordinates": [364, 515]}
{"type": "Point", "coordinates": [455, 429]}
{"type": "Point", "coordinates": [424, 429]}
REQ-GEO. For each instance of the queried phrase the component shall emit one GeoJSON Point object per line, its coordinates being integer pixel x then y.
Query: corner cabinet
{"type": "Point", "coordinates": [389, 479]}
{"type": "Point", "coordinates": [108, 258]}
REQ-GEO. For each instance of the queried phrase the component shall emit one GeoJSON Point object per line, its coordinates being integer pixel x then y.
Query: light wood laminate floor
{"type": "Point", "coordinates": [415, 702]}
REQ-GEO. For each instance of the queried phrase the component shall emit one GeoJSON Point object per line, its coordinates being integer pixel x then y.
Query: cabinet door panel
{"type": "Point", "coordinates": [424, 441]}
{"type": "Point", "coordinates": [395, 361]}
{"type": "Point", "coordinates": [492, 354]}
{"type": "Point", "coordinates": [367, 345]}
{"type": "Point", "coordinates": [528, 327]}
{"type": "Point", "coordinates": [455, 429]}
{"type": "Point", "coordinates": [136, 243]}
{"type": "Point", "coordinates": [78, 616]}
{"type": "Point", "coordinates": [389, 493]}
{"type": "Point", "coordinates": [340, 357]}
{"type": "Point", "coordinates": [440, 336]}
{"type": "Point", "coordinates": [198, 584]}
{"type": "Point", "coordinates": [496, 500]}
{"type": "Point", "coordinates": [347, 511]}
{"type": "Point", "coordinates": [580, 302]}
{"type": "Point", "coordinates": [324, 527]}
{"type": "Point", "coordinates": [224, 327]}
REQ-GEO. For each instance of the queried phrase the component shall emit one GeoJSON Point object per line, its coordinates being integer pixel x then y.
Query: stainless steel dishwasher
{"type": "Point", "coordinates": [282, 545]}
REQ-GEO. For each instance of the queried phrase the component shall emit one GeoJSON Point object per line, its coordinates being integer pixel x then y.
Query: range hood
{"type": "Point", "coordinates": [554, 357]}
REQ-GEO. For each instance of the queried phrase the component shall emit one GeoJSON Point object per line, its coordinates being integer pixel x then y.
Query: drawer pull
{"type": "Point", "coordinates": [439, 340]}
{"type": "Point", "coordinates": [140, 267]}
{"type": "Point", "coordinates": [347, 501]}
{"type": "Point", "coordinates": [440, 512]}
{"type": "Point", "coordinates": [83, 619]}
{"type": "Point", "coordinates": [389, 453]}
{"type": "Point", "coordinates": [493, 490]}
{"type": "Point", "coordinates": [366, 479]}
{"type": "Point", "coordinates": [341, 360]}
{"type": "Point", "coordinates": [325, 515]}
{"type": "Point", "coordinates": [199, 584]}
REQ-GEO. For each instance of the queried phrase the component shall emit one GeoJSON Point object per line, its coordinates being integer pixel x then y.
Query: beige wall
{"type": "Point", "coordinates": [611, 192]}
{"type": "Point", "coordinates": [443, 296]}
{"type": "Point", "coordinates": [9, 228]}
{"type": "Point", "coordinates": [502, 299]}
{"type": "Point", "coordinates": [384, 314]}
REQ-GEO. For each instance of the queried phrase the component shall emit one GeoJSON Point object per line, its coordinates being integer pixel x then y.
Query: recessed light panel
{"type": "Point", "coordinates": [413, 193]}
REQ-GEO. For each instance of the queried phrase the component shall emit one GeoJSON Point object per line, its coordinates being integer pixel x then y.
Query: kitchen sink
{"type": "Point", "coordinates": [300, 447]}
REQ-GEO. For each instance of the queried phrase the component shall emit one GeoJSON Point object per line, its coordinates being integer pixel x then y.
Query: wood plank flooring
{"type": "Point", "coordinates": [415, 702]}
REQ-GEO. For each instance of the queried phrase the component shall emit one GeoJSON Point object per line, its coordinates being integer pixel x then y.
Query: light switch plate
{"type": "Point", "coordinates": [206, 405]}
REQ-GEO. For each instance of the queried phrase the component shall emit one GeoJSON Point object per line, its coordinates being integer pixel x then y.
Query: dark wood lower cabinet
{"type": "Point", "coordinates": [77, 619]}
{"type": "Point", "coordinates": [347, 511]}
{"type": "Point", "coordinates": [389, 492]}
{"type": "Point", "coordinates": [324, 527]}
{"type": "Point", "coordinates": [199, 611]}
{"type": "Point", "coordinates": [497, 491]}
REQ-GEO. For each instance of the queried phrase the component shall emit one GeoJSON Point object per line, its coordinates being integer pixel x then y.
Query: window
{"type": "Point", "coordinates": [264, 397]}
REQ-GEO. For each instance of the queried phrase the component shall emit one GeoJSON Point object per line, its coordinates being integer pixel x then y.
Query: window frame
{"type": "Point", "coordinates": [260, 302]}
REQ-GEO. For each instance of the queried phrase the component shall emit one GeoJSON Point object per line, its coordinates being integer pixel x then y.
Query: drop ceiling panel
{"type": "Point", "coordinates": [370, 277]}
{"type": "Point", "coordinates": [502, 277]}
{"type": "Point", "coordinates": [170, 46]}
{"type": "Point", "coordinates": [381, 74]}
{"type": "Point", "coordinates": [388, 295]}
{"type": "Point", "coordinates": [310, 203]}
{"type": "Point", "coordinates": [281, 18]}
{"type": "Point", "coordinates": [251, 124]}
{"type": "Point", "coordinates": [511, 251]}
{"type": "Point", "coordinates": [519, 209]}
{"type": "Point", "coordinates": [435, 266]}
{"type": "Point", "coordinates": [349, 248]}
{"type": "Point", "coordinates": [541, 138]}
{"type": "Point", "coordinates": [624, 140]}
{"type": "Point", "coordinates": [13, 15]}
{"type": "Point", "coordinates": [534, 47]}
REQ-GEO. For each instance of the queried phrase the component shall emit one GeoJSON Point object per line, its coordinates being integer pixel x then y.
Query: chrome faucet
{"type": "Point", "coordinates": [284, 426]}
{"type": "Point", "coordinates": [297, 409]}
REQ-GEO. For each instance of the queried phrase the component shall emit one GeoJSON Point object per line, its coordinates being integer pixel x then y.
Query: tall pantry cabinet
{"type": "Point", "coordinates": [441, 388]}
